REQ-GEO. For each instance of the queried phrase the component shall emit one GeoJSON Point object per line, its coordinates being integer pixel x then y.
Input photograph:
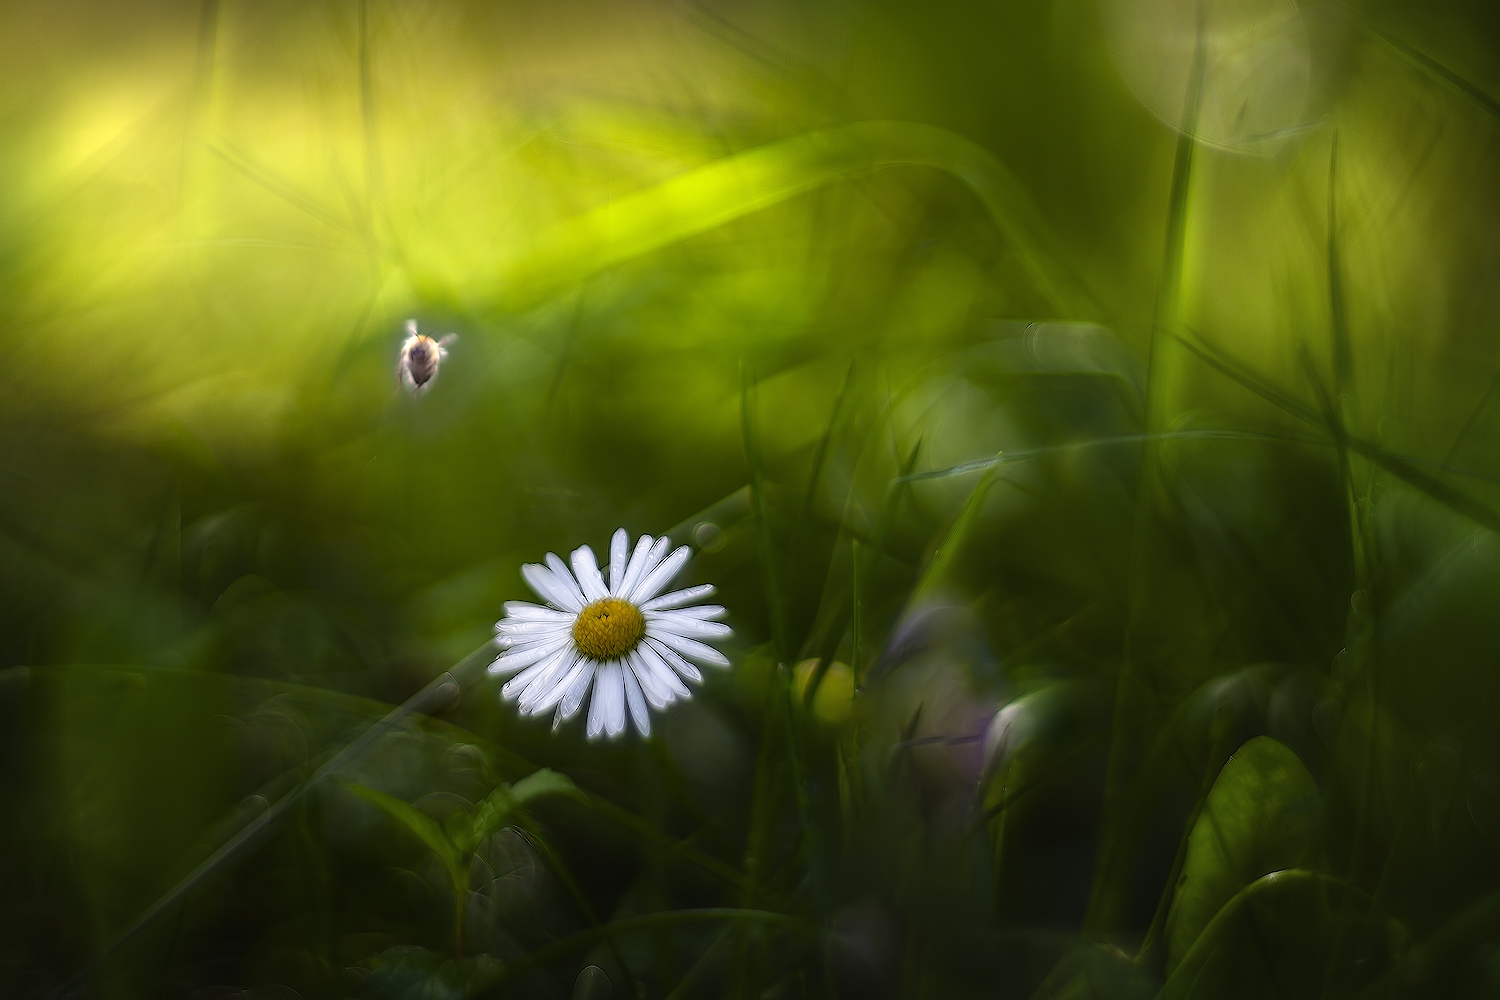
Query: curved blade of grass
{"type": "Point", "coordinates": [821, 455]}
{"type": "Point", "coordinates": [1463, 432]}
{"type": "Point", "coordinates": [759, 178]}
{"type": "Point", "coordinates": [544, 781]}
{"type": "Point", "coordinates": [1107, 892]}
{"type": "Point", "coordinates": [1431, 67]}
{"type": "Point", "coordinates": [1261, 815]}
{"type": "Point", "coordinates": [1402, 467]}
{"type": "Point", "coordinates": [437, 691]}
{"type": "Point", "coordinates": [564, 873]}
{"type": "Point", "coordinates": [762, 524]}
{"type": "Point", "coordinates": [953, 539]}
{"type": "Point", "coordinates": [424, 826]}
{"type": "Point", "coordinates": [495, 811]}
{"type": "Point", "coordinates": [336, 699]}
{"type": "Point", "coordinates": [858, 576]}
{"type": "Point", "coordinates": [1182, 979]}
{"type": "Point", "coordinates": [1361, 544]}
{"type": "Point", "coordinates": [1211, 434]}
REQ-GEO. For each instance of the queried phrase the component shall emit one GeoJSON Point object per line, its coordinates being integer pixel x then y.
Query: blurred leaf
{"type": "Point", "coordinates": [424, 826]}
{"type": "Point", "coordinates": [758, 178]}
{"type": "Point", "coordinates": [1059, 349]}
{"type": "Point", "coordinates": [953, 539]}
{"type": "Point", "coordinates": [1096, 972]}
{"type": "Point", "coordinates": [544, 782]}
{"type": "Point", "coordinates": [1260, 817]}
{"type": "Point", "coordinates": [495, 811]}
{"type": "Point", "coordinates": [1283, 935]}
{"type": "Point", "coordinates": [407, 973]}
{"type": "Point", "coordinates": [592, 984]}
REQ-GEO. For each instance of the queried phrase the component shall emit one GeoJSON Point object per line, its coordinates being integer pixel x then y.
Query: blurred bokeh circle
{"type": "Point", "coordinates": [1257, 66]}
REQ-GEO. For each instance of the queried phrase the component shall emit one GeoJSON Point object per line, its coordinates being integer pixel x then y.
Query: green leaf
{"type": "Point", "coordinates": [1096, 972]}
{"type": "Point", "coordinates": [1260, 817]}
{"type": "Point", "coordinates": [545, 782]}
{"type": "Point", "coordinates": [1287, 934]}
{"type": "Point", "coordinates": [755, 179]}
{"type": "Point", "coordinates": [418, 822]}
{"type": "Point", "coordinates": [947, 550]}
{"type": "Point", "coordinates": [495, 811]}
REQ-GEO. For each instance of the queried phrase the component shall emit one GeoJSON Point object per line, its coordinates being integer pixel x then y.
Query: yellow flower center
{"type": "Point", "coordinates": [608, 629]}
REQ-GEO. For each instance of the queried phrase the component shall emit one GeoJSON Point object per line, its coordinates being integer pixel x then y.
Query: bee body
{"type": "Point", "coordinates": [421, 356]}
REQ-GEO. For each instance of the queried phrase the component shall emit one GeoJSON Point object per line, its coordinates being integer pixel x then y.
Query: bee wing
{"type": "Point", "coordinates": [448, 338]}
{"type": "Point", "coordinates": [411, 327]}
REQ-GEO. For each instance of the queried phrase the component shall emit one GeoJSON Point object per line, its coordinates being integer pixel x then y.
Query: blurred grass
{"type": "Point", "coordinates": [973, 384]}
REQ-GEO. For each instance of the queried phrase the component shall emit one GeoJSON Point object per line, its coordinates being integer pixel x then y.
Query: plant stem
{"type": "Point", "coordinates": [460, 905]}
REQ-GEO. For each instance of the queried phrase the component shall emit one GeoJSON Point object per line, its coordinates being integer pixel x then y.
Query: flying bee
{"type": "Point", "coordinates": [420, 358]}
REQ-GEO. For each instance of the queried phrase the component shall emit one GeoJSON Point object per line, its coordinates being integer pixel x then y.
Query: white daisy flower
{"type": "Point", "coordinates": [627, 641]}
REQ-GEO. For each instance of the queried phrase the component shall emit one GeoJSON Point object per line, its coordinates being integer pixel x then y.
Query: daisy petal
{"type": "Point", "coordinates": [702, 612]}
{"type": "Point", "coordinates": [678, 597]}
{"type": "Point", "coordinates": [547, 683]}
{"type": "Point", "coordinates": [619, 547]}
{"type": "Point", "coordinates": [526, 611]}
{"type": "Point", "coordinates": [523, 643]}
{"type": "Point", "coordinates": [609, 693]}
{"type": "Point", "coordinates": [667, 621]}
{"type": "Point", "coordinates": [692, 649]}
{"type": "Point", "coordinates": [519, 630]}
{"type": "Point", "coordinates": [637, 704]}
{"type": "Point", "coordinates": [662, 673]}
{"type": "Point", "coordinates": [540, 579]}
{"type": "Point", "coordinates": [659, 577]}
{"type": "Point", "coordinates": [512, 660]}
{"type": "Point", "coordinates": [564, 578]}
{"type": "Point", "coordinates": [557, 693]}
{"type": "Point", "coordinates": [656, 693]}
{"type": "Point", "coordinates": [676, 662]}
{"type": "Point", "coordinates": [636, 569]}
{"type": "Point", "coordinates": [614, 721]}
{"type": "Point", "coordinates": [595, 727]}
{"type": "Point", "coordinates": [519, 683]}
{"type": "Point", "coordinates": [573, 699]}
{"type": "Point", "coordinates": [587, 571]}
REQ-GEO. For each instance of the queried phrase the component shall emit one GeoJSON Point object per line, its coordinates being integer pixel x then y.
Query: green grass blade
{"type": "Point", "coordinates": [821, 455]}
{"type": "Point", "coordinates": [1463, 432]}
{"type": "Point", "coordinates": [1413, 56]}
{"type": "Point", "coordinates": [764, 536]}
{"type": "Point", "coordinates": [1405, 468]}
{"type": "Point", "coordinates": [1343, 352]}
{"type": "Point", "coordinates": [544, 782]}
{"type": "Point", "coordinates": [953, 540]}
{"type": "Point", "coordinates": [1106, 893]}
{"type": "Point", "coordinates": [424, 826]}
{"type": "Point", "coordinates": [1206, 434]}
{"type": "Point", "coordinates": [437, 691]}
{"type": "Point", "coordinates": [747, 182]}
{"type": "Point", "coordinates": [1184, 976]}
